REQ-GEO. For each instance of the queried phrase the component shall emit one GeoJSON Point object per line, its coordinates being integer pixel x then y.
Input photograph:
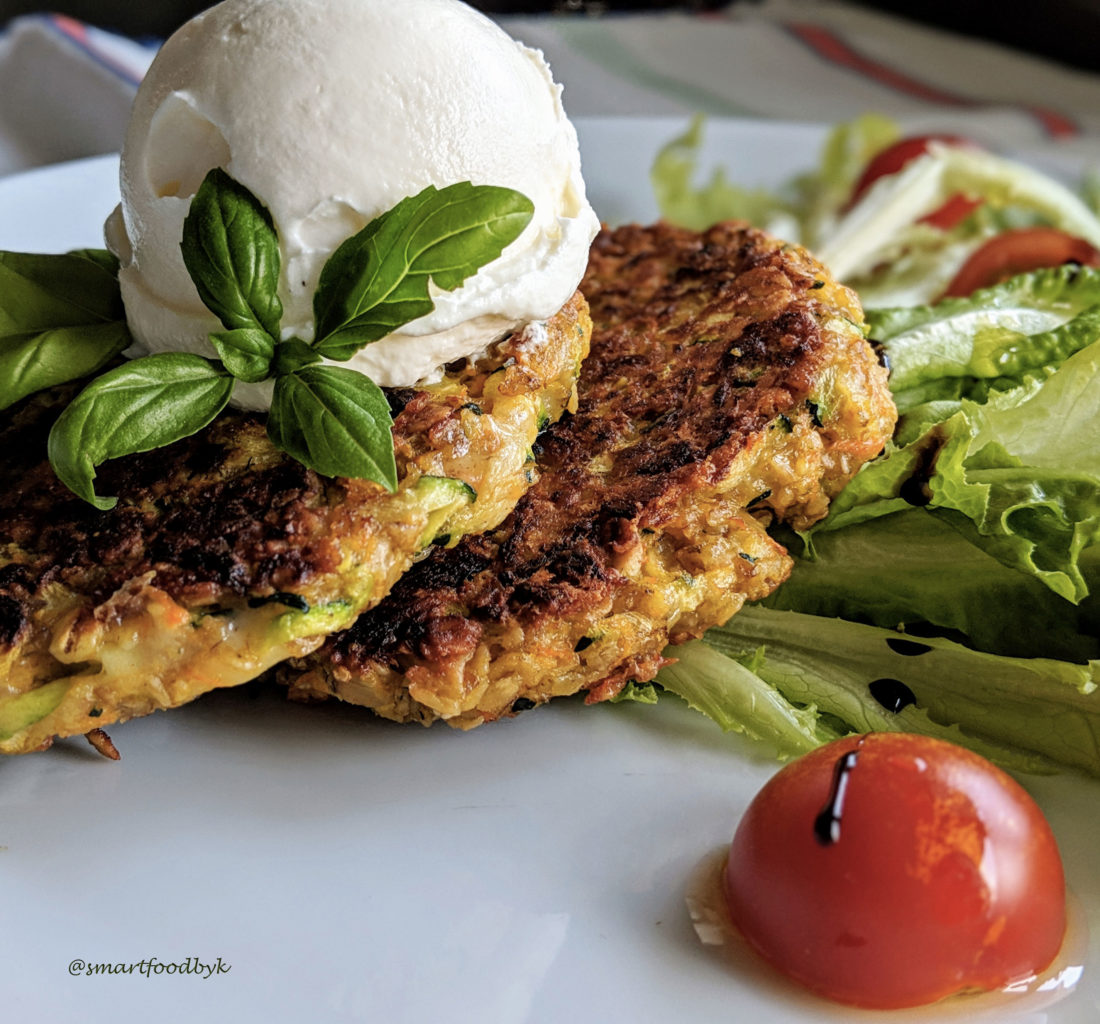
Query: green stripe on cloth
{"type": "Point", "coordinates": [594, 40]}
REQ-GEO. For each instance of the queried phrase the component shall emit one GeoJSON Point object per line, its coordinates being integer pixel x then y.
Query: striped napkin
{"type": "Point", "coordinates": [67, 86]}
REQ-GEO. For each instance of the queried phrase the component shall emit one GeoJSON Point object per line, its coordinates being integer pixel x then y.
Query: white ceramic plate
{"type": "Point", "coordinates": [347, 869]}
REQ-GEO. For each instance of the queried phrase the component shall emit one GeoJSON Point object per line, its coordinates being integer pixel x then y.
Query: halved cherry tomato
{"type": "Point", "coordinates": [891, 870]}
{"type": "Point", "coordinates": [1014, 252]}
{"type": "Point", "coordinates": [893, 158]}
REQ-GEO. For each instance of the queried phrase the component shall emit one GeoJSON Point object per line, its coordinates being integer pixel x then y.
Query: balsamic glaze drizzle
{"type": "Point", "coordinates": [827, 823]}
{"type": "Point", "coordinates": [908, 648]}
{"type": "Point", "coordinates": [892, 694]}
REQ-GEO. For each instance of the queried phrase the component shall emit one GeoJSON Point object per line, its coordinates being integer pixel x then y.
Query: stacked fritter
{"type": "Point", "coordinates": [729, 383]}
{"type": "Point", "coordinates": [224, 556]}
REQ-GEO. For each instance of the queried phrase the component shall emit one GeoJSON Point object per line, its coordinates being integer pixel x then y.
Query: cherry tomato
{"type": "Point", "coordinates": [1014, 252]}
{"type": "Point", "coordinates": [892, 870]}
{"type": "Point", "coordinates": [893, 158]}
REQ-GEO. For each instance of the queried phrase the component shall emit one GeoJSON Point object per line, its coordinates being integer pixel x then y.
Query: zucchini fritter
{"type": "Point", "coordinates": [729, 383]}
{"type": "Point", "coordinates": [224, 556]}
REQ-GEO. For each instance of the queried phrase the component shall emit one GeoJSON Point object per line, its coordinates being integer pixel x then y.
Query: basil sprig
{"type": "Point", "coordinates": [378, 279]}
{"type": "Point", "coordinates": [333, 419]}
{"type": "Point", "coordinates": [143, 404]}
{"type": "Point", "coordinates": [61, 318]}
{"type": "Point", "coordinates": [325, 417]}
{"type": "Point", "coordinates": [231, 251]}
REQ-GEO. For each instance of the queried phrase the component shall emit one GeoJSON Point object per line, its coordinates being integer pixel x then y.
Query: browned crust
{"type": "Point", "coordinates": [221, 513]}
{"type": "Point", "coordinates": [103, 744]}
{"type": "Point", "coordinates": [702, 344]}
{"type": "Point", "coordinates": [224, 556]}
{"type": "Point", "coordinates": [195, 513]}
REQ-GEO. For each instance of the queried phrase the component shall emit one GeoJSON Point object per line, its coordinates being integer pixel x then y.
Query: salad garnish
{"type": "Point", "coordinates": [877, 235]}
{"type": "Point", "coordinates": [977, 532]}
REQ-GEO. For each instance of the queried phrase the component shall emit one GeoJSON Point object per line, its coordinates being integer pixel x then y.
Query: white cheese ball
{"type": "Point", "coordinates": [331, 112]}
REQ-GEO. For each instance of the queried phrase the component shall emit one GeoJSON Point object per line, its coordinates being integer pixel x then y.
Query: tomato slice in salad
{"type": "Point", "coordinates": [895, 157]}
{"type": "Point", "coordinates": [953, 212]}
{"type": "Point", "coordinates": [1015, 252]}
{"type": "Point", "coordinates": [892, 870]}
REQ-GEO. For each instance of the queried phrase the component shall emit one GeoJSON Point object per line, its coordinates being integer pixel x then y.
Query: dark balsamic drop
{"type": "Point", "coordinates": [827, 823]}
{"type": "Point", "coordinates": [909, 648]}
{"type": "Point", "coordinates": [892, 694]}
{"type": "Point", "coordinates": [915, 491]}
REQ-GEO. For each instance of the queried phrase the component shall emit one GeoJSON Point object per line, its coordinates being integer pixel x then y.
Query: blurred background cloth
{"type": "Point", "coordinates": [66, 84]}
{"type": "Point", "coordinates": [1065, 30]}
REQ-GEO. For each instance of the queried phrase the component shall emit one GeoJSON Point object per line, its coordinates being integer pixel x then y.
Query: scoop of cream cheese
{"type": "Point", "coordinates": [331, 112]}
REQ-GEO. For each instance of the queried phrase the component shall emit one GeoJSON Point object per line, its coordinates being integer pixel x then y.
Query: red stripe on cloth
{"type": "Point", "coordinates": [71, 27]}
{"type": "Point", "coordinates": [77, 33]}
{"type": "Point", "coordinates": [1054, 124]}
{"type": "Point", "coordinates": [831, 47]}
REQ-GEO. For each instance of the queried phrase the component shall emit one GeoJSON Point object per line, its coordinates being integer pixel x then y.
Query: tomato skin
{"type": "Point", "coordinates": [953, 212]}
{"type": "Point", "coordinates": [1017, 251]}
{"type": "Point", "coordinates": [944, 875]}
{"type": "Point", "coordinates": [895, 157]}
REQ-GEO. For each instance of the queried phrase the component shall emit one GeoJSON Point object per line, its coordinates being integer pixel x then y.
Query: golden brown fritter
{"type": "Point", "coordinates": [729, 382]}
{"type": "Point", "coordinates": [224, 556]}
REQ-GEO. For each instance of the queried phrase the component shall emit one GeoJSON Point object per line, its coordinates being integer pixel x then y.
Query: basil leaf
{"type": "Point", "coordinates": [34, 362]}
{"type": "Point", "coordinates": [377, 280]}
{"type": "Point", "coordinates": [39, 292]}
{"type": "Point", "coordinates": [100, 257]}
{"type": "Point", "coordinates": [336, 421]}
{"type": "Point", "coordinates": [246, 353]}
{"type": "Point", "coordinates": [61, 318]}
{"type": "Point", "coordinates": [145, 404]}
{"type": "Point", "coordinates": [231, 251]}
{"type": "Point", "coordinates": [294, 354]}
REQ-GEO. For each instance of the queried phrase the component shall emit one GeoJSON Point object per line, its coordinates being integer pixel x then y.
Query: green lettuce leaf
{"type": "Point", "coordinates": [1032, 495]}
{"type": "Point", "coordinates": [915, 570]}
{"type": "Point", "coordinates": [730, 692]}
{"type": "Point", "coordinates": [987, 702]}
{"type": "Point", "coordinates": [699, 206]}
{"type": "Point", "coordinates": [642, 693]}
{"type": "Point", "coordinates": [997, 332]}
{"type": "Point", "coordinates": [1022, 468]}
{"type": "Point", "coordinates": [826, 190]}
{"type": "Point", "coordinates": [799, 209]}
